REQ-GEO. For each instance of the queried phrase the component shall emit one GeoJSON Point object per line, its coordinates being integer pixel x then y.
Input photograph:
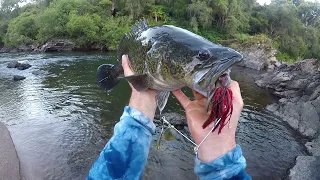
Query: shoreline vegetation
{"type": "Point", "coordinates": [291, 27]}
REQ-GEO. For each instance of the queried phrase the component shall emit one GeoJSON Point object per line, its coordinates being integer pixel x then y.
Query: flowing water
{"type": "Point", "coordinates": [60, 120]}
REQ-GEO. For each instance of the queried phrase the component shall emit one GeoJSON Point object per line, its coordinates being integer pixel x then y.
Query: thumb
{"type": "Point", "coordinates": [126, 66]}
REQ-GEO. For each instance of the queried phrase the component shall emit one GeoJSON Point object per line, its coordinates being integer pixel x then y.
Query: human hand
{"type": "Point", "coordinates": [215, 145]}
{"type": "Point", "coordinates": [144, 101]}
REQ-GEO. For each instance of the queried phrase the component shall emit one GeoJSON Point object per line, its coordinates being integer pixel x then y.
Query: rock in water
{"type": "Point", "coordinates": [20, 66]}
{"type": "Point", "coordinates": [177, 120]}
{"type": "Point", "coordinates": [13, 64]}
{"type": "Point", "coordinates": [24, 66]}
{"type": "Point", "coordinates": [18, 78]}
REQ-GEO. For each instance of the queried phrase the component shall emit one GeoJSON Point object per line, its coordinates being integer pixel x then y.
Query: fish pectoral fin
{"type": "Point", "coordinates": [162, 99]}
{"type": "Point", "coordinates": [139, 82]}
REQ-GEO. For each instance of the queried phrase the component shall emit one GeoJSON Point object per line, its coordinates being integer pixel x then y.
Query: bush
{"type": "Point", "coordinates": [213, 35]}
{"type": "Point", "coordinates": [113, 30]}
{"type": "Point", "coordinates": [242, 38]}
{"type": "Point", "coordinates": [84, 29]}
{"type": "Point", "coordinates": [21, 30]}
{"type": "Point", "coordinates": [53, 20]}
{"type": "Point", "coordinates": [282, 56]}
{"type": "Point", "coordinates": [293, 46]}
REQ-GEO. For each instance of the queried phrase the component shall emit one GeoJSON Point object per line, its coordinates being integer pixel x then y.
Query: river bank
{"type": "Point", "coordinates": [56, 45]}
{"type": "Point", "coordinates": [298, 87]}
{"type": "Point", "coordinates": [9, 161]}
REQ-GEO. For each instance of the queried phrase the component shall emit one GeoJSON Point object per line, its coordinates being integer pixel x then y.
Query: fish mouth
{"type": "Point", "coordinates": [206, 79]}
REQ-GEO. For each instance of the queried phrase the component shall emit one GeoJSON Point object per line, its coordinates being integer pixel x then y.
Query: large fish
{"type": "Point", "coordinates": [167, 58]}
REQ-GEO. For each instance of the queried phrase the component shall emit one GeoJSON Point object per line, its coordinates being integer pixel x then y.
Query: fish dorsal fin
{"type": "Point", "coordinates": [127, 40]}
{"type": "Point", "coordinates": [139, 27]}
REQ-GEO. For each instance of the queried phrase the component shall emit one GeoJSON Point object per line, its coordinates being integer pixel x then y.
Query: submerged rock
{"type": "Point", "coordinates": [18, 78]}
{"type": "Point", "coordinates": [306, 168]}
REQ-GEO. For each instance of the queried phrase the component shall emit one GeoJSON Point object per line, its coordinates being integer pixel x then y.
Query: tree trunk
{"type": "Point", "coordinates": [114, 8]}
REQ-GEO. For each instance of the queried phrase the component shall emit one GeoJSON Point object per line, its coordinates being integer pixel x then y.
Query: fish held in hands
{"type": "Point", "coordinates": [167, 58]}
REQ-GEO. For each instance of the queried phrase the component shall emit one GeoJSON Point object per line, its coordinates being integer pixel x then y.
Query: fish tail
{"type": "Point", "coordinates": [108, 75]}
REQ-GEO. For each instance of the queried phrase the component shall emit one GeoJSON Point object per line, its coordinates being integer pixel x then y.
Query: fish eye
{"type": "Point", "coordinates": [204, 54]}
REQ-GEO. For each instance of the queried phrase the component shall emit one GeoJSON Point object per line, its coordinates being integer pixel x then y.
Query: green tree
{"type": "Point", "coordinates": [53, 20]}
{"type": "Point", "coordinates": [200, 14]}
{"type": "Point", "coordinates": [21, 30]}
{"type": "Point", "coordinates": [113, 30]}
{"type": "Point", "coordinates": [309, 13]}
{"type": "Point", "coordinates": [84, 29]}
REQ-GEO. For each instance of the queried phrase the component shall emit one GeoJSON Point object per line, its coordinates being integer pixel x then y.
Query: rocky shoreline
{"type": "Point", "coordinates": [57, 45]}
{"type": "Point", "coordinates": [298, 86]}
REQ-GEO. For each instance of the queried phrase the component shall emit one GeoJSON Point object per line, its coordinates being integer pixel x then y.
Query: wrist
{"type": "Point", "coordinates": [208, 153]}
{"type": "Point", "coordinates": [145, 105]}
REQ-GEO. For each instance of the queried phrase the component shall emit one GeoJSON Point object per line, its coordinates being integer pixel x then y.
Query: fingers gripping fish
{"type": "Point", "coordinates": [167, 58]}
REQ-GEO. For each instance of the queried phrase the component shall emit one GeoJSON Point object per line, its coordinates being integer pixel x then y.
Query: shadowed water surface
{"type": "Point", "coordinates": [60, 120]}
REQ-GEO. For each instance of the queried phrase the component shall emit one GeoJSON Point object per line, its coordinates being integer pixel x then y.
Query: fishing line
{"type": "Point", "coordinates": [196, 148]}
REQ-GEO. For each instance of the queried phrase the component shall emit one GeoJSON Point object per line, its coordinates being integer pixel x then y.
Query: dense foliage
{"type": "Point", "coordinates": [293, 25]}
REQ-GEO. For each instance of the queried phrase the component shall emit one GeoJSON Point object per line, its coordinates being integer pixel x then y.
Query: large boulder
{"type": "Point", "coordinates": [306, 168]}
{"type": "Point", "coordinates": [298, 85]}
{"type": "Point", "coordinates": [293, 80]}
{"type": "Point", "coordinates": [309, 120]}
{"type": "Point", "coordinates": [301, 116]}
{"type": "Point", "coordinates": [258, 56]}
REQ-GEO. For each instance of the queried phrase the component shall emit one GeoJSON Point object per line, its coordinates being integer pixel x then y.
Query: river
{"type": "Point", "coordinates": [60, 119]}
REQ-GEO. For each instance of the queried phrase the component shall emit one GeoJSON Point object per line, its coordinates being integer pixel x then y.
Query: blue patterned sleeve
{"type": "Point", "coordinates": [125, 155]}
{"type": "Point", "coordinates": [229, 166]}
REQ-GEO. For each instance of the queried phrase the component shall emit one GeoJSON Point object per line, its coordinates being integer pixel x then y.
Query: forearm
{"type": "Point", "coordinates": [126, 153]}
{"type": "Point", "coordinates": [229, 166]}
